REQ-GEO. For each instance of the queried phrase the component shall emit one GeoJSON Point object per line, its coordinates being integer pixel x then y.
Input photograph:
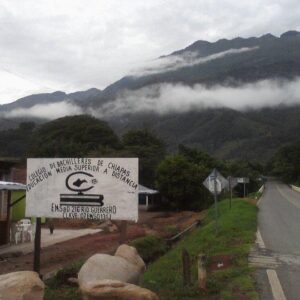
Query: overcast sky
{"type": "Point", "coordinates": [72, 45]}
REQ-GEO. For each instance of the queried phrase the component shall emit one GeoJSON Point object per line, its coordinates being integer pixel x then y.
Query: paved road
{"type": "Point", "coordinates": [278, 250]}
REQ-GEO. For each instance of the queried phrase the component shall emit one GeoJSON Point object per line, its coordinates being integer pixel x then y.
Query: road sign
{"type": "Point", "coordinates": [243, 180]}
{"type": "Point", "coordinates": [221, 182]}
{"type": "Point", "coordinates": [232, 182]}
{"type": "Point", "coordinates": [215, 183]}
{"type": "Point", "coordinates": [82, 188]}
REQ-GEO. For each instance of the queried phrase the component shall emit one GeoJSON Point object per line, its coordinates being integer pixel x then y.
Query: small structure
{"type": "Point", "coordinates": [6, 189]}
{"type": "Point", "coordinates": [148, 198]}
{"type": "Point", "coordinates": [12, 170]}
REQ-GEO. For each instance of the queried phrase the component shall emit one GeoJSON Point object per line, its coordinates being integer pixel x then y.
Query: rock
{"type": "Point", "coordinates": [108, 226]}
{"type": "Point", "coordinates": [126, 266]}
{"type": "Point", "coordinates": [130, 254]}
{"type": "Point", "coordinates": [117, 290]}
{"type": "Point", "coordinates": [72, 281]}
{"type": "Point", "coordinates": [112, 228]}
{"type": "Point", "coordinates": [105, 224]}
{"type": "Point", "coordinates": [23, 285]}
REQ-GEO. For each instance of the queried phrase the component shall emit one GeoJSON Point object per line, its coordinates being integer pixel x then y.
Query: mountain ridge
{"type": "Point", "coordinates": [128, 82]}
{"type": "Point", "coordinates": [225, 132]}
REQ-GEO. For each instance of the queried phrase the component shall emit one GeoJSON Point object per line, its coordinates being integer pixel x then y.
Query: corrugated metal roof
{"type": "Point", "coordinates": [12, 186]}
{"type": "Point", "coordinates": [145, 190]}
{"type": "Point", "coordinates": [10, 159]}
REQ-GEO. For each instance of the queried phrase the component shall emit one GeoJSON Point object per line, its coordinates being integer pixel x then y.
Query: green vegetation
{"type": "Point", "coordinates": [150, 150]}
{"type": "Point", "coordinates": [286, 163]}
{"type": "Point", "coordinates": [79, 136]}
{"type": "Point", "coordinates": [224, 133]}
{"type": "Point", "coordinates": [58, 287]}
{"type": "Point", "coordinates": [150, 247]}
{"type": "Point", "coordinates": [255, 195]}
{"type": "Point", "coordinates": [237, 229]}
{"type": "Point", "coordinates": [18, 210]}
{"type": "Point", "coordinates": [62, 293]}
{"type": "Point", "coordinates": [180, 177]}
{"type": "Point", "coordinates": [171, 230]}
{"type": "Point", "coordinates": [72, 136]}
{"type": "Point", "coordinates": [15, 142]}
{"type": "Point", "coordinates": [178, 180]}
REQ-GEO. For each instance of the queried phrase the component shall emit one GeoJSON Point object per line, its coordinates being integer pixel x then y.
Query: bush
{"type": "Point", "coordinates": [58, 286]}
{"type": "Point", "coordinates": [235, 239]}
{"type": "Point", "coordinates": [150, 247]}
{"type": "Point", "coordinates": [61, 277]}
{"type": "Point", "coordinates": [171, 230]}
{"type": "Point", "coordinates": [180, 181]}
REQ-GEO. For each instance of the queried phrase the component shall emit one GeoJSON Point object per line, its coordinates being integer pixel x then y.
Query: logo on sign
{"type": "Point", "coordinates": [81, 182]}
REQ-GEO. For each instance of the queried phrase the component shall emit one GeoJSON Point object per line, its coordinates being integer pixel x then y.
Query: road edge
{"type": "Point", "coordinates": [273, 279]}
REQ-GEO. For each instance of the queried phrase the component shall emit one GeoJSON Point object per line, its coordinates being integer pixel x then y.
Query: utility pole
{"type": "Point", "coordinates": [216, 199]}
{"type": "Point", "coordinates": [215, 183]}
{"type": "Point", "coordinates": [230, 188]}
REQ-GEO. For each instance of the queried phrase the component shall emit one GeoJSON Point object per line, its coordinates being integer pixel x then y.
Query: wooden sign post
{"type": "Point", "coordinates": [37, 247]}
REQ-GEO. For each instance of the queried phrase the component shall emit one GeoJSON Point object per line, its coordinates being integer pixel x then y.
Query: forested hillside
{"type": "Point", "coordinates": [234, 98]}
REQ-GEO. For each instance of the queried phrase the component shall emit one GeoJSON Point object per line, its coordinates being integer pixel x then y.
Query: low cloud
{"type": "Point", "coordinates": [178, 98]}
{"type": "Point", "coordinates": [187, 59]}
{"type": "Point", "coordinates": [46, 111]}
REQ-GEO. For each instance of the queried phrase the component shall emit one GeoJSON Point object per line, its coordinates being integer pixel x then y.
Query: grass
{"type": "Point", "coordinates": [255, 195]}
{"type": "Point", "coordinates": [58, 287]}
{"type": "Point", "coordinates": [237, 229]}
{"type": "Point", "coordinates": [150, 247]}
{"type": "Point", "coordinates": [62, 293]}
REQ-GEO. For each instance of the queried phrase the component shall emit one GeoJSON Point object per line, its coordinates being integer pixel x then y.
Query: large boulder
{"type": "Point", "coordinates": [23, 285]}
{"type": "Point", "coordinates": [126, 266]}
{"type": "Point", "coordinates": [131, 255]}
{"type": "Point", "coordinates": [114, 289]}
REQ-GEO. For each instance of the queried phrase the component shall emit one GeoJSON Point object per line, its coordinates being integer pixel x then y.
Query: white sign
{"type": "Point", "coordinates": [243, 180]}
{"type": "Point", "coordinates": [232, 182]}
{"type": "Point", "coordinates": [211, 185]}
{"type": "Point", "coordinates": [221, 182]}
{"type": "Point", "coordinates": [82, 188]}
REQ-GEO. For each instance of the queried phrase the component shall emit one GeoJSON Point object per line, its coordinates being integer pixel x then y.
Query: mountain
{"type": "Point", "coordinates": [48, 98]}
{"type": "Point", "coordinates": [230, 62]}
{"type": "Point", "coordinates": [226, 132]}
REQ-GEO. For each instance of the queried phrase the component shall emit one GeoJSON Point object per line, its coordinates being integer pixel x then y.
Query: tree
{"type": "Point", "coordinates": [181, 182]}
{"type": "Point", "coordinates": [72, 137]}
{"type": "Point", "coordinates": [286, 163]}
{"type": "Point", "coordinates": [14, 142]}
{"type": "Point", "coordinates": [200, 158]}
{"type": "Point", "coordinates": [148, 148]}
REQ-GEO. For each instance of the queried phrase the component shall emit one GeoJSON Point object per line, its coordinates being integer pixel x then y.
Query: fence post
{"type": "Point", "coordinates": [123, 232]}
{"type": "Point", "coordinates": [186, 267]}
{"type": "Point", "coordinates": [201, 271]}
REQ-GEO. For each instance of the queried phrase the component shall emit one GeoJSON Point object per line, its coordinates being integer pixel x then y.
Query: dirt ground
{"type": "Point", "coordinates": [61, 254]}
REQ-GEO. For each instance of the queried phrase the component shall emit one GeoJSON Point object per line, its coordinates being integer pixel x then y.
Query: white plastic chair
{"type": "Point", "coordinates": [18, 234]}
{"type": "Point", "coordinates": [26, 230]}
{"type": "Point", "coordinates": [25, 222]}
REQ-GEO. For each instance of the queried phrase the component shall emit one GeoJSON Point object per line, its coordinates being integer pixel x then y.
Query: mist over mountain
{"type": "Point", "coordinates": [225, 62]}
{"type": "Point", "coordinates": [49, 98]}
{"type": "Point", "coordinates": [224, 97]}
